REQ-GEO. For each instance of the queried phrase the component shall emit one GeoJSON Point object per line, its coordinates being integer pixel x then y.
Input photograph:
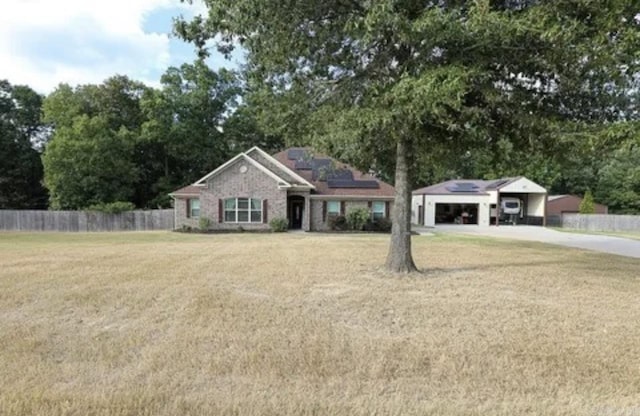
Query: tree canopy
{"type": "Point", "coordinates": [124, 141]}
{"type": "Point", "coordinates": [183, 128]}
{"type": "Point", "coordinates": [20, 131]}
{"type": "Point", "coordinates": [391, 83]}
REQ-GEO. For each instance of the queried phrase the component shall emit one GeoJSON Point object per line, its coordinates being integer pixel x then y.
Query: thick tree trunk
{"type": "Point", "coordinates": [399, 259]}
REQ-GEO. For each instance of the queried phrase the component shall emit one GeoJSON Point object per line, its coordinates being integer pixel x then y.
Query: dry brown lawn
{"type": "Point", "coordinates": [307, 324]}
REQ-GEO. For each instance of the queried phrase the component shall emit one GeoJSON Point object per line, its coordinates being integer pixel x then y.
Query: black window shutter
{"type": "Point", "coordinates": [264, 211]}
{"type": "Point", "coordinates": [220, 212]}
{"type": "Point", "coordinates": [386, 209]}
{"type": "Point", "coordinates": [342, 208]}
{"type": "Point", "coordinates": [324, 210]}
{"type": "Point", "coordinates": [188, 208]}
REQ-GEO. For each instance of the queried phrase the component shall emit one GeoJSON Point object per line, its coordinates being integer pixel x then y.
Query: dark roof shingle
{"type": "Point", "coordinates": [322, 186]}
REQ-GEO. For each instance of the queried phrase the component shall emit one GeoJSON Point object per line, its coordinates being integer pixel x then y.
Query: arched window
{"type": "Point", "coordinates": [246, 210]}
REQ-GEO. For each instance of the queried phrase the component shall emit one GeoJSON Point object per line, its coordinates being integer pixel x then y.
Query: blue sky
{"type": "Point", "coordinates": [44, 43]}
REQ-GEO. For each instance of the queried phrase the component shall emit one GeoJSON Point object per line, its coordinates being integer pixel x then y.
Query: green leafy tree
{"type": "Point", "coordinates": [386, 82]}
{"type": "Point", "coordinates": [112, 207]}
{"type": "Point", "coordinates": [242, 131]}
{"type": "Point", "coordinates": [116, 100]}
{"type": "Point", "coordinates": [619, 183]}
{"type": "Point", "coordinates": [91, 157]}
{"type": "Point", "coordinates": [20, 166]}
{"type": "Point", "coordinates": [183, 131]}
{"type": "Point", "coordinates": [89, 164]}
{"type": "Point", "coordinates": [587, 206]}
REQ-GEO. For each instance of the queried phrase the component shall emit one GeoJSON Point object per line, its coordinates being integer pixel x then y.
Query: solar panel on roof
{"type": "Point", "coordinates": [368, 184]}
{"type": "Point", "coordinates": [466, 185]}
{"type": "Point", "coordinates": [341, 183]}
{"type": "Point", "coordinates": [341, 174]}
{"type": "Point", "coordinates": [320, 169]}
{"type": "Point", "coordinates": [296, 154]}
{"type": "Point", "coordinates": [498, 183]}
{"type": "Point", "coordinates": [463, 187]}
{"type": "Point", "coordinates": [302, 165]}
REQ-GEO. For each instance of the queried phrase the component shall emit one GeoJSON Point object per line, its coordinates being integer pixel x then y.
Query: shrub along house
{"type": "Point", "coordinates": [307, 189]}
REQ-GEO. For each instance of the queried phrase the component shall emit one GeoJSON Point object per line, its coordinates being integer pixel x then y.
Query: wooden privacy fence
{"type": "Point", "coordinates": [24, 220]}
{"type": "Point", "coordinates": [601, 222]}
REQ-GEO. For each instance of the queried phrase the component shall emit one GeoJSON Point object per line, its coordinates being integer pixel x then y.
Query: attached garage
{"type": "Point", "coordinates": [478, 202]}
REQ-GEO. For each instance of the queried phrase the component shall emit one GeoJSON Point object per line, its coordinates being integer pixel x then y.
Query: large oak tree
{"type": "Point", "coordinates": [389, 81]}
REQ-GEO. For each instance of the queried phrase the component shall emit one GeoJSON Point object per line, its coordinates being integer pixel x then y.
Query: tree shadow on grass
{"type": "Point", "coordinates": [438, 272]}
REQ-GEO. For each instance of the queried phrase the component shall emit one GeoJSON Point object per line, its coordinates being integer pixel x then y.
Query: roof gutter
{"type": "Point", "coordinates": [352, 197]}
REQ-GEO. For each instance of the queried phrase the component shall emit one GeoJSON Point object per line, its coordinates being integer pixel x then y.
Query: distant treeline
{"type": "Point", "coordinates": [121, 140]}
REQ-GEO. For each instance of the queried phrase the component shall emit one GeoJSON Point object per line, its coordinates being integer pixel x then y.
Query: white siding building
{"type": "Point", "coordinates": [480, 202]}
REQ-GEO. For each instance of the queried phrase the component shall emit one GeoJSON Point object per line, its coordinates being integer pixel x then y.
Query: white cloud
{"type": "Point", "coordinates": [44, 42]}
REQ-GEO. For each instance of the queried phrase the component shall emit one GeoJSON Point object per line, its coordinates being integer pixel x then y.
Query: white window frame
{"type": "Point", "coordinates": [331, 213]}
{"type": "Point", "coordinates": [191, 209]}
{"type": "Point", "coordinates": [236, 210]}
{"type": "Point", "coordinates": [382, 213]}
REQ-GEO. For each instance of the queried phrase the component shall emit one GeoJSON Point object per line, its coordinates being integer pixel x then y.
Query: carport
{"type": "Point", "coordinates": [479, 202]}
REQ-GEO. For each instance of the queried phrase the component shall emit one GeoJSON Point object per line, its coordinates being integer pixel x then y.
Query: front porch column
{"type": "Point", "coordinates": [306, 219]}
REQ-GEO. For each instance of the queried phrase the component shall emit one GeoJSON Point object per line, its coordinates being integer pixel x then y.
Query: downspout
{"type": "Point", "coordinates": [307, 202]}
{"type": "Point", "coordinates": [544, 218]}
{"type": "Point", "coordinates": [175, 213]}
{"type": "Point", "coordinates": [497, 207]}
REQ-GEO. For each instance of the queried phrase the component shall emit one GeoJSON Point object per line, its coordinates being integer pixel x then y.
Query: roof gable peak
{"type": "Point", "coordinates": [281, 166]}
{"type": "Point", "coordinates": [250, 160]}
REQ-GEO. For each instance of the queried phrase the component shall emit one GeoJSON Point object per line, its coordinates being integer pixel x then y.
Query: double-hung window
{"type": "Point", "coordinates": [378, 210]}
{"type": "Point", "coordinates": [333, 208]}
{"type": "Point", "coordinates": [245, 210]}
{"type": "Point", "coordinates": [194, 207]}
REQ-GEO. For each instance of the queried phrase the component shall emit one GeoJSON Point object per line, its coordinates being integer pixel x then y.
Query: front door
{"type": "Point", "coordinates": [296, 209]}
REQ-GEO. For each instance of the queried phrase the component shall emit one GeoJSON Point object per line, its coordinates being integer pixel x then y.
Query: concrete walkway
{"type": "Point", "coordinates": [602, 243]}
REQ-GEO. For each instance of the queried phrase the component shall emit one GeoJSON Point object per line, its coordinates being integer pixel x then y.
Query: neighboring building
{"type": "Point", "coordinates": [254, 187]}
{"type": "Point", "coordinates": [461, 201]}
{"type": "Point", "coordinates": [569, 204]}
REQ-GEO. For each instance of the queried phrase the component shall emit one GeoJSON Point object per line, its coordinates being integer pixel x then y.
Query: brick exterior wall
{"type": "Point", "coordinates": [255, 183]}
{"type": "Point", "coordinates": [181, 215]}
{"type": "Point", "coordinates": [255, 155]}
{"type": "Point", "coordinates": [319, 224]}
{"type": "Point", "coordinates": [306, 223]}
{"type": "Point", "coordinates": [232, 183]}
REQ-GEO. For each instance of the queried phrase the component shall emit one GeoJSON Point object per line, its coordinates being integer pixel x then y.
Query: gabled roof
{"type": "Point", "coordinates": [521, 185]}
{"type": "Point", "coordinates": [501, 183]}
{"type": "Point", "coordinates": [554, 197]}
{"type": "Point", "coordinates": [287, 172]}
{"type": "Point", "coordinates": [479, 186]}
{"type": "Point", "coordinates": [189, 190]}
{"type": "Point", "coordinates": [470, 187]}
{"type": "Point", "coordinates": [282, 182]}
{"type": "Point", "coordinates": [577, 198]}
{"type": "Point", "coordinates": [342, 179]}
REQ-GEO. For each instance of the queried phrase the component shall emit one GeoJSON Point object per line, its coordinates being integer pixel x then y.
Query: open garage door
{"type": "Point", "coordinates": [456, 213]}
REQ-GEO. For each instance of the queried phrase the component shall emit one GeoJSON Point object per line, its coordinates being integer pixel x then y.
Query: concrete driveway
{"type": "Point", "coordinates": [602, 243]}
